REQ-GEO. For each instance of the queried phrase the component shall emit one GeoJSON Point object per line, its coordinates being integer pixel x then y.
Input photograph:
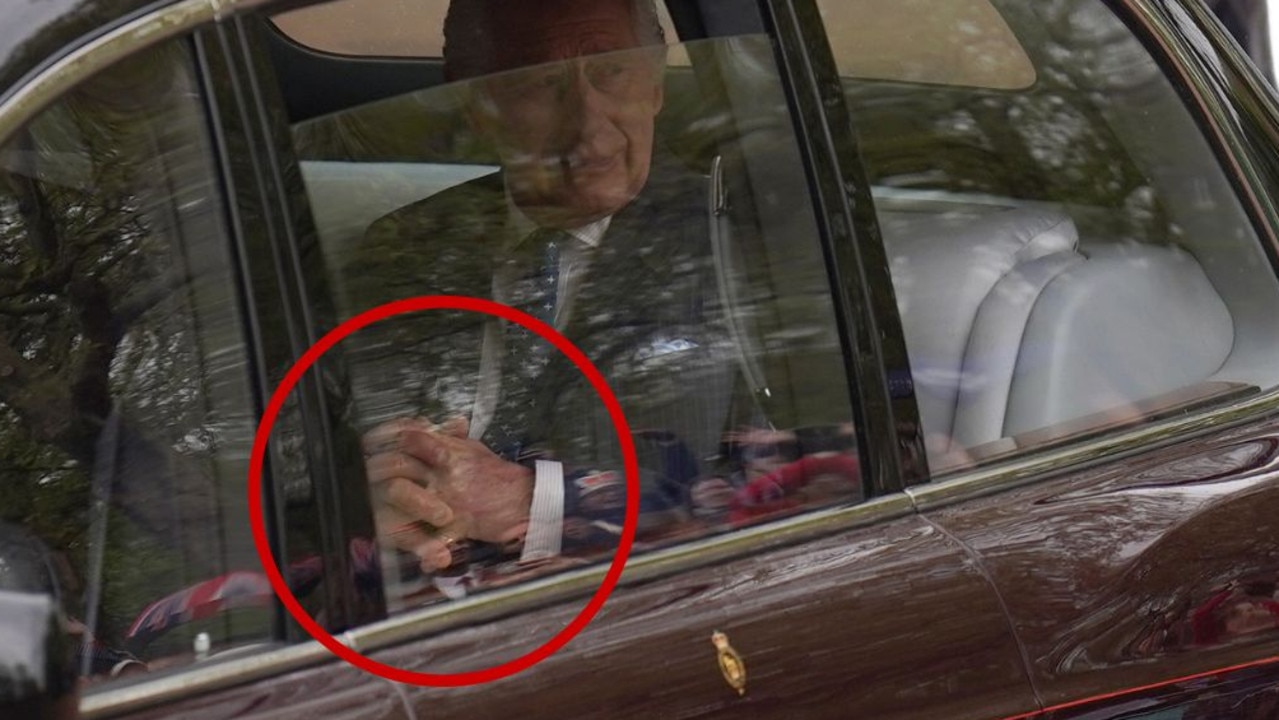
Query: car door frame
{"type": "Point", "coordinates": [263, 278]}
{"type": "Point", "coordinates": [1189, 45]}
{"type": "Point", "coordinates": [271, 272]}
{"type": "Point", "coordinates": [891, 440]}
{"type": "Point", "coordinates": [286, 318]}
{"type": "Point", "coordinates": [858, 267]}
{"type": "Point", "coordinates": [1003, 476]}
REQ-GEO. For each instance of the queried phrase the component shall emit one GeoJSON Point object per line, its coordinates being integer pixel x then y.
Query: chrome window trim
{"type": "Point", "coordinates": [199, 679]}
{"type": "Point", "coordinates": [647, 567]}
{"type": "Point", "coordinates": [1005, 476]}
{"type": "Point", "coordinates": [82, 62]}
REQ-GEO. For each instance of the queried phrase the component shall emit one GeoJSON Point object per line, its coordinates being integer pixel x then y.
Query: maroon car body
{"type": "Point", "coordinates": [184, 182]}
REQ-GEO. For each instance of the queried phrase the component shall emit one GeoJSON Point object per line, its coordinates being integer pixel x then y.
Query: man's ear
{"type": "Point", "coordinates": [659, 82]}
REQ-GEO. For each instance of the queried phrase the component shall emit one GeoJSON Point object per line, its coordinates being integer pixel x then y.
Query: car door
{"type": "Point", "coordinates": [838, 600]}
{"type": "Point", "coordinates": [256, 299]}
{"type": "Point", "coordinates": [145, 308]}
{"type": "Point", "coordinates": [963, 524]}
{"type": "Point", "coordinates": [1131, 539]}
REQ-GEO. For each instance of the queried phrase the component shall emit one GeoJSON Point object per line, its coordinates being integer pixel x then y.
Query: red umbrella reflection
{"type": "Point", "coordinates": [237, 589]}
{"type": "Point", "coordinates": [244, 589]}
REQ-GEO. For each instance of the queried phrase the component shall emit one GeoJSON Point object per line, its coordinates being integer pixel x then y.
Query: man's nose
{"type": "Point", "coordinates": [585, 105]}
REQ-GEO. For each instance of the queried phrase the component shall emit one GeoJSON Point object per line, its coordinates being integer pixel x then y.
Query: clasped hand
{"type": "Point", "coordinates": [432, 486]}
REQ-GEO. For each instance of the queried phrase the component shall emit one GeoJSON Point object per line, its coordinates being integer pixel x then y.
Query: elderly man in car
{"type": "Point", "coordinates": [589, 226]}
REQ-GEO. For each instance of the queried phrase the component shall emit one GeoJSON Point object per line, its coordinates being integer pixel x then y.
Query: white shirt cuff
{"type": "Point", "coordinates": [546, 515]}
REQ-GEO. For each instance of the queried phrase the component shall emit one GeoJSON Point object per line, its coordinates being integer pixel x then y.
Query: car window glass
{"type": "Point", "coordinates": [125, 415]}
{"type": "Point", "coordinates": [1068, 257]}
{"type": "Point", "coordinates": [704, 301]}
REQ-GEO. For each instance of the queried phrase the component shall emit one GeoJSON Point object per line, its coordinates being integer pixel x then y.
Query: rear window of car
{"type": "Point", "coordinates": [1069, 258]}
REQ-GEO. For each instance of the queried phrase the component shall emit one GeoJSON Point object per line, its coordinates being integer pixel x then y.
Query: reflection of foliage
{"type": "Point", "coordinates": [409, 127]}
{"type": "Point", "coordinates": [647, 311]}
{"type": "Point", "coordinates": [96, 322]}
{"type": "Point", "coordinates": [1056, 140]}
{"type": "Point", "coordinates": [81, 269]}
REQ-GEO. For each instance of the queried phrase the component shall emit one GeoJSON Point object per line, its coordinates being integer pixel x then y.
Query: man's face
{"type": "Point", "coordinates": [575, 127]}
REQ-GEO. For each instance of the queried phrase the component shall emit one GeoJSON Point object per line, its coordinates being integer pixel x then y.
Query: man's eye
{"type": "Point", "coordinates": [546, 80]}
{"type": "Point", "coordinates": [608, 75]}
{"type": "Point", "coordinates": [526, 87]}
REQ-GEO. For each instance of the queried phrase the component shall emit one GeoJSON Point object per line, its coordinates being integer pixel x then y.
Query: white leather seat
{"type": "Point", "coordinates": [1011, 328]}
{"type": "Point", "coordinates": [995, 345]}
{"type": "Point", "coordinates": [1132, 322]}
{"type": "Point", "coordinates": [945, 268]}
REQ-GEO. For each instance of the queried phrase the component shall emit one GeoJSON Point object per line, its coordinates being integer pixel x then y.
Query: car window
{"type": "Point", "coordinates": [703, 299]}
{"type": "Point", "coordinates": [125, 412]}
{"type": "Point", "coordinates": [1068, 257]}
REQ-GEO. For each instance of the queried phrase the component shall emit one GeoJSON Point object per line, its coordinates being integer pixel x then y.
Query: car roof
{"type": "Point", "coordinates": [35, 34]}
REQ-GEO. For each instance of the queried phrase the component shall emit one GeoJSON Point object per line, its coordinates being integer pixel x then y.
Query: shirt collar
{"type": "Point", "coordinates": [519, 226]}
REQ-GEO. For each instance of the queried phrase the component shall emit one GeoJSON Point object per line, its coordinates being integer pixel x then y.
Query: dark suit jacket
{"type": "Point", "coordinates": [647, 314]}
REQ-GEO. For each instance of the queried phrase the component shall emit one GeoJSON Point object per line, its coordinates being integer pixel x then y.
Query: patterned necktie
{"type": "Point", "coordinates": [525, 354]}
{"type": "Point", "coordinates": [549, 275]}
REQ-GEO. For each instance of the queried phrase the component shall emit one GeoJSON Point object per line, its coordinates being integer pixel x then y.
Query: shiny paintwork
{"type": "Point", "coordinates": [1086, 566]}
{"type": "Point", "coordinates": [978, 605]}
{"type": "Point", "coordinates": [1102, 570]}
{"type": "Point", "coordinates": [877, 621]}
{"type": "Point", "coordinates": [806, 619]}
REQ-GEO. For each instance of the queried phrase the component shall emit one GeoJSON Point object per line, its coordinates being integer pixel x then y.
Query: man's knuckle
{"type": "Point", "coordinates": [399, 493]}
{"type": "Point", "coordinates": [398, 465]}
{"type": "Point", "coordinates": [438, 514]}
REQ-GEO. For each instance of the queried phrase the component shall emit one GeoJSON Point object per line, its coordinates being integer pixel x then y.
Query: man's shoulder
{"type": "Point", "coordinates": [434, 245]}
{"type": "Point", "coordinates": [674, 188]}
{"type": "Point", "coordinates": [462, 211]}
{"type": "Point", "coordinates": [669, 217]}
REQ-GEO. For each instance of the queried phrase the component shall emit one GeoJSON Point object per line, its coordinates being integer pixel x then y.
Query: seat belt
{"type": "Point", "coordinates": [721, 236]}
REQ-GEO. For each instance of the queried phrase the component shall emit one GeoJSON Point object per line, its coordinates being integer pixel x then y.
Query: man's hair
{"type": "Point", "coordinates": [469, 37]}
